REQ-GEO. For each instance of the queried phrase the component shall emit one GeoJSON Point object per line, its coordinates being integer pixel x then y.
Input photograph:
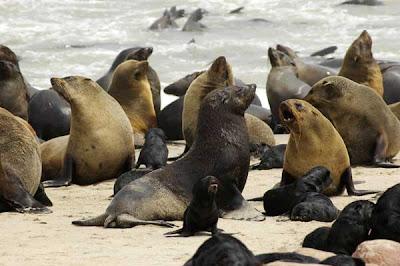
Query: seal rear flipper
{"type": "Point", "coordinates": [96, 221]}
{"type": "Point", "coordinates": [128, 221]}
{"type": "Point", "coordinates": [257, 199]}
{"type": "Point", "coordinates": [41, 196]}
{"type": "Point", "coordinates": [15, 195]}
{"type": "Point", "coordinates": [178, 231]}
{"type": "Point", "coordinates": [347, 180]}
{"type": "Point", "coordinates": [65, 177]}
{"type": "Point", "coordinates": [379, 156]}
{"type": "Point", "coordinates": [245, 212]}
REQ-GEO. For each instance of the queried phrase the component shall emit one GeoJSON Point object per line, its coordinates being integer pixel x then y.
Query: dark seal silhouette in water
{"type": "Point", "coordinates": [363, 2]}
{"type": "Point", "coordinates": [347, 232]}
{"type": "Point", "coordinates": [154, 153]}
{"type": "Point", "coordinates": [222, 249]}
{"type": "Point", "coordinates": [202, 212]}
{"type": "Point", "coordinates": [193, 23]}
{"type": "Point", "coordinates": [164, 194]}
{"type": "Point", "coordinates": [385, 222]}
{"type": "Point", "coordinates": [167, 20]}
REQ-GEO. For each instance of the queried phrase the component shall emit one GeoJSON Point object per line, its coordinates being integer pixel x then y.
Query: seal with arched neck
{"type": "Point", "coordinates": [100, 144]}
{"type": "Point", "coordinates": [164, 194]}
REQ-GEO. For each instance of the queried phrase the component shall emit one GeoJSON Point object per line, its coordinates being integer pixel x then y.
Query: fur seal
{"type": "Point", "coordinates": [169, 119]}
{"type": "Point", "coordinates": [202, 212]}
{"type": "Point", "coordinates": [395, 108]}
{"type": "Point", "coordinates": [385, 223]}
{"type": "Point", "coordinates": [360, 66]}
{"type": "Point", "coordinates": [363, 2]}
{"type": "Point", "coordinates": [371, 132]}
{"type": "Point", "coordinates": [259, 131]}
{"type": "Point", "coordinates": [309, 73]}
{"type": "Point", "coordinates": [343, 260]}
{"type": "Point", "coordinates": [128, 177]}
{"type": "Point", "coordinates": [100, 144]}
{"type": "Point", "coordinates": [168, 18]}
{"type": "Point", "coordinates": [391, 84]}
{"type": "Point", "coordinates": [325, 51]}
{"type": "Point", "coordinates": [53, 153]}
{"type": "Point", "coordinates": [286, 257]}
{"type": "Point", "coordinates": [314, 206]}
{"type": "Point", "coordinates": [223, 249]}
{"type": "Point", "coordinates": [272, 158]}
{"type": "Point", "coordinates": [131, 88]}
{"type": "Point", "coordinates": [13, 96]}
{"type": "Point", "coordinates": [154, 153]}
{"type": "Point", "coordinates": [280, 200]}
{"type": "Point", "coordinates": [282, 83]}
{"type": "Point", "coordinates": [315, 142]}
{"type": "Point", "coordinates": [165, 193]}
{"type": "Point", "coordinates": [20, 168]}
{"type": "Point", "coordinates": [49, 115]}
{"type": "Point", "coordinates": [193, 23]}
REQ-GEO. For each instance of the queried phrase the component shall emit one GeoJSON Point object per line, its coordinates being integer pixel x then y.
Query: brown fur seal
{"type": "Point", "coordinates": [314, 142]}
{"type": "Point", "coordinates": [217, 76]}
{"type": "Point", "coordinates": [360, 66]}
{"type": "Point", "coordinates": [131, 88]}
{"type": "Point", "coordinates": [100, 143]}
{"type": "Point", "coordinates": [53, 153]}
{"type": "Point", "coordinates": [259, 131]}
{"type": "Point", "coordinates": [368, 127]}
{"type": "Point", "coordinates": [395, 108]}
{"type": "Point", "coordinates": [164, 194]}
{"type": "Point", "coordinates": [20, 166]}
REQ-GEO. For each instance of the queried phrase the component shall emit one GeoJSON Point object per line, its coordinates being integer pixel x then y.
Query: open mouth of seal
{"type": "Point", "coordinates": [213, 187]}
{"type": "Point", "coordinates": [287, 114]}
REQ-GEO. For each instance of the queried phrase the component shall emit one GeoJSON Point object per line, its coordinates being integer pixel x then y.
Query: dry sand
{"type": "Point", "coordinates": [51, 239]}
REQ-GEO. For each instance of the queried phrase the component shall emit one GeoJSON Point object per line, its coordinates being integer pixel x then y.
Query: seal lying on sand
{"type": "Point", "coordinates": [315, 142]}
{"type": "Point", "coordinates": [371, 131]}
{"type": "Point", "coordinates": [360, 66]}
{"type": "Point", "coordinates": [100, 144]}
{"type": "Point", "coordinates": [164, 194]}
{"type": "Point", "coordinates": [20, 168]}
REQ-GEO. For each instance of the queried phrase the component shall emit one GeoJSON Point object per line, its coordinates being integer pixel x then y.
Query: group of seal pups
{"type": "Point", "coordinates": [96, 125]}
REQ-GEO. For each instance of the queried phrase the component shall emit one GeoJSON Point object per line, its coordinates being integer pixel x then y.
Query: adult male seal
{"type": "Point", "coordinates": [165, 193]}
{"type": "Point", "coordinates": [20, 168]}
{"type": "Point", "coordinates": [371, 131]}
{"type": "Point", "coordinates": [100, 144]}
{"type": "Point", "coordinates": [360, 66]}
{"type": "Point", "coordinates": [131, 88]}
{"type": "Point", "coordinates": [315, 142]}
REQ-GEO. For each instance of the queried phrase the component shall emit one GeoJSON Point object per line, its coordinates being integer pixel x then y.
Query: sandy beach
{"type": "Point", "coordinates": [51, 239]}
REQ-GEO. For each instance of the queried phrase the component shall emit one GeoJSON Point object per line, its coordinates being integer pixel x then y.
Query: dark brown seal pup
{"type": "Point", "coordinates": [20, 167]}
{"type": "Point", "coordinates": [202, 213]}
{"type": "Point", "coordinates": [100, 144]}
{"type": "Point", "coordinates": [315, 142]}
{"type": "Point", "coordinates": [314, 207]}
{"type": "Point", "coordinates": [164, 194]}
{"type": "Point", "coordinates": [286, 257]}
{"type": "Point", "coordinates": [49, 115]}
{"type": "Point", "coordinates": [272, 157]}
{"type": "Point", "coordinates": [222, 249]}
{"type": "Point", "coordinates": [131, 88]}
{"type": "Point", "coordinates": [360, 66]}
{"type": "Point", "coordinates": [371, 131]}
{"type": "Point", "coordinates": [385, 221]}
{"type": "Point", "coordinates": [154, 153]}
{"type": "Point", "coordinates": [13, 96]}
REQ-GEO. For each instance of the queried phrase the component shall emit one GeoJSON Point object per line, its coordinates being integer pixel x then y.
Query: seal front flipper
{"type": "Point", "coordinates": [41, 196]}
{"type": "Point", "coordinates": [286, 178]}
{"type": "Point", "coordinates": [13, 193]}
{"type": "Point", "coordinates": [379, 156]}
{"type": "Point", "coordinates": [65, 177]}
{"type": "Point", "coordinates": [347, 180]}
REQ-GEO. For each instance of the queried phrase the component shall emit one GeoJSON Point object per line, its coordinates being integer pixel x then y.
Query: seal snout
{"type": "Point", "coordinates": [213, 187]}
{"type": "Point", "coordinates": [287, 113]}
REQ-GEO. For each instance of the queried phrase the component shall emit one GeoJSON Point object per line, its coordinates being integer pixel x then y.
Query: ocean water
{"type": "Point", "coordinates": [72, 37]}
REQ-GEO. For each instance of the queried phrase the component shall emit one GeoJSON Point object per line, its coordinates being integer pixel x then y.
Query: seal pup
{"type": "Point", "coordinates": [371, 132]}
{"type": "Point", "coordinates": [202, 213]}
{"type": "Point", "coordinates": [385, 223]}
{"type": "Point", "coordinates": [309, 73]}
{"type": "Point", "coordinates": [100, 144]}
{"type": "Point", "coordinates": [282, 83]}
{"type": "Point", "coordinates": [314, 206]}
{"type": "Point", "coordinates": [315, 142]}
{"type": "Point", "coordinates": [193, 23]}
{"type": "Point", "coordinates": [286, 257]}
{"type": "Point", "coordinates": [343, 260]}
{"type": "Point", "coordinates": [317, 238]}
{"type": "Point", "coordinates": [165, 193]}
{"type": "Point", "coordinates": [223, 249]}
{"type": "Point", "coordinates": [49, 115]}
{"type": "Point", "coordinates": [272, 158]}
{"type": "Point", "coordinates": [13, 96]}
{"type": "Point", "coordinates": [168, 18]}
{"type": "Point", "coordinates": [20, 168]}
{"type": "Point", "coordinates": [360, 66]}
{"type": "Point", "coordinates": [154, 153]}
{"type": "Point", "coordinates": [131, 88]}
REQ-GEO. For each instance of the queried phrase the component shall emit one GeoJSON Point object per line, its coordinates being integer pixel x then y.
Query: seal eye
{"type": "Point", "coordinates": [325, 83]}
{"type": "Point", "coordinates": [299, 106]}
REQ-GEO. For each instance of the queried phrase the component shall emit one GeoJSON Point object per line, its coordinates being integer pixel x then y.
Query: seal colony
{"type": "Point", "coordinates": [330, 130]}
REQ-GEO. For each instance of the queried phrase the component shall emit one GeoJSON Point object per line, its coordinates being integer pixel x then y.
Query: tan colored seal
{"type": "Point", "coordinates": [259, 131]}
{"type": "Point", "coordinates": [100, 143]}
{"type": "Point", "coordinates": [314, 142]}
{"type": "Point", "coordinates": [131, 88]}
{"type": "Point", "coordinates": [20, 166]}
{"type": "Point", "coordinates": [368, 127]}
{"type": "Point", "coordinates": [395, 108]}
{"type": "Point", "coordinates": [360, 66]}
